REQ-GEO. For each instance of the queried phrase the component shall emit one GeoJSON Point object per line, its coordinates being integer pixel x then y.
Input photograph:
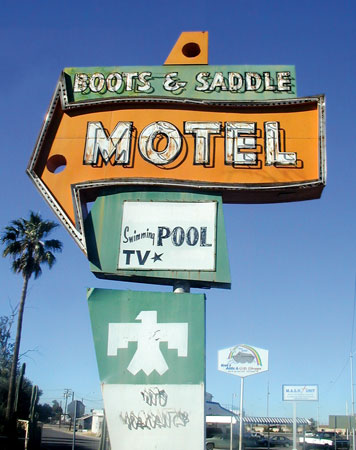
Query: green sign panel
{"type": "Point", "coordinates": [346, 422]}
{"type": "Point", "coordinates": [199, 82]}
{"type": "Point", "coordinates": [148, 337]}
{"type": "Point", "coordinates": [158, 237]}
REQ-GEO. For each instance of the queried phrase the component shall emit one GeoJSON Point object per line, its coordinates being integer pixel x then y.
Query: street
{"type": "Point", "coordinates": [54, 438]}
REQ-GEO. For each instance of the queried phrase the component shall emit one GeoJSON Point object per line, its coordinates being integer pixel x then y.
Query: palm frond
{"type": "Point", "coordinates": [25, 244]}
{"type": "Point", "coordinates": [53, 244]}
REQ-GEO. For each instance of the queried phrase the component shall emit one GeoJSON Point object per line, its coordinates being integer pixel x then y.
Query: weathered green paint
{"type": "Point", "coordinates": [114, 306]}
{"type": "Point", "coordinates": [186, 75]}
{"type": "Point", "coordinates": [103, 230]}
{"type": "Point", "coordinates": [346, 422]}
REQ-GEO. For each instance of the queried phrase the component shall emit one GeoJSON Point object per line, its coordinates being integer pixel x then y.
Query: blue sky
{"type": "Point", "coordinates": [292, 265]}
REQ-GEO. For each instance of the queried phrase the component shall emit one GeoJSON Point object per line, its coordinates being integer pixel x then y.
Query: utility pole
{"type": "Point", "coordinates": [352, 402]}
{"type": "Point", "coordinates": [67, 393]}
{"type": "Point", "coordinates": [268, 414]}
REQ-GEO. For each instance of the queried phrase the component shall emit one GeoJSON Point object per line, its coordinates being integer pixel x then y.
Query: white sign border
{"type": "Point", "coordinates": [209, 264]}
{"type": "Point", "coordinates": [298, 397]}
{"type": "Point", "coordinates": [240, 370]}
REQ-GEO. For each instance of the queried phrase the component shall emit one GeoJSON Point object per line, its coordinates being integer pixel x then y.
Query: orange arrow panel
{"type": "Point", "coordinates": [234, 165]}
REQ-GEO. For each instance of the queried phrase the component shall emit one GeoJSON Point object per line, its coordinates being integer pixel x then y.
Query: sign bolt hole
{"type": "Point", "coordinates": [56, 163]}
{"type": "Point", "coordinates": [191, 50]}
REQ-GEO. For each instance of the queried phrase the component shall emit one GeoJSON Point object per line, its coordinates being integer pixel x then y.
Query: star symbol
{"type": "Point", "coordinates": [157, 257]}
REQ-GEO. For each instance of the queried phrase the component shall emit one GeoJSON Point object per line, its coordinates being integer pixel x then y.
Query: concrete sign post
{"type": "Point", "coordinates": [150, 349]}
{"type": "Point", "coordinates": [242, 360]}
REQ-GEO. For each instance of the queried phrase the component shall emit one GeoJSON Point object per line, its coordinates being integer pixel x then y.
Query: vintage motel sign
{"type": "Point", "coordinates": [235, 131]}
{"type": "Point", "coordinates": [150, 349]}
{"type": "Point", "coordinates": [156, 236]}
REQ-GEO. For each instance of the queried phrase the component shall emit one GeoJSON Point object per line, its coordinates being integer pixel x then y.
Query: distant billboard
{"type": "Point", "coordinates": [76, 408]}
{"type": "Point", "coordinates": [243, 360]}
{"type": "Point", "coordinates": [342, 422]}
{"type": "Point", "coordinates": [300, 392]}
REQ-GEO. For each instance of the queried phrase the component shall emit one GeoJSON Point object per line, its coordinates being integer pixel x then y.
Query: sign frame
{"type": "Point", "coordinates": [103, 254]}
{"type": "Point", "coordinates": [181, 234]}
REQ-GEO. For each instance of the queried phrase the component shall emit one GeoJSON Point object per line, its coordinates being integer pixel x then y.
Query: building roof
{"type": "Point", "coordinates": [87, 416]}
{"type": "Point", "coordinates": [274, 420]}
{"type": "Point", "coordinates": [217, 414]}
{"type": "Point", "coordinates": [215, 409]}
{"type": "Point", "coordinates": [255, 420]}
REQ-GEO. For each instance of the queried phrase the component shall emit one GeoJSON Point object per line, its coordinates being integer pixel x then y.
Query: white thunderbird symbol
{"type": "Point", "coordinates": [148, 334]}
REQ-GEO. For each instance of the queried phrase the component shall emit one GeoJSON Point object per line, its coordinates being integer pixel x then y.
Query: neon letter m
{"type": "Point", "coordinates": [97, 141]}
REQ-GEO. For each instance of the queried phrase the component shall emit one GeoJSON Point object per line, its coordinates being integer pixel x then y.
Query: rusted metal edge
{"type": "Point", "coordinates": [192, 184]}
{"type": "Point", "coordinates": [76, 233]}
{"type": "Point", "coordinates": [45, 126]}
{"type": "Point", "coordinates": [322, 138]}
{"type": "Point", "coordinates": [194, 102]}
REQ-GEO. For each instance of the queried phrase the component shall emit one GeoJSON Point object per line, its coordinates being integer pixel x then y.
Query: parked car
{"type": "Point", "coordinates": [280, 441]}
{"type": "Point", "coordinates": [257, 435]}
{"type": "Point", "coordinates": [213, 431]}
{"type": "Point", "coordinates": [325, 440]}
{"type": "Point", "coordinates": [261, 440]}
{"type": "Point", "coordinates": [222, 441]}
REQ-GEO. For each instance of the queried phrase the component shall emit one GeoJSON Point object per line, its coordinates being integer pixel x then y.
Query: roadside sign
{"type": "Point", "coordinates": [76, 406]}
{"type": "Point", "coordinates": [168, 236]}
{"type": "Point", "coordinates": [243, 360]}
{"type": "Point", "coordinates": [345, 422]}
{"type": "Point", "coordinates": [300, 392]}
{"type": "Point", "coordinates": [235, 131]}
{"type": "Point", "coordinates": [297, 393]}
{"type": "Point", "coordinates": [151, 360]}
{"type": "Point", "coordinates": [220, 83]}
{"type": "Point", "coordinates": [158, 236]}
{"type": "Point", "coordinates": [136, 163]}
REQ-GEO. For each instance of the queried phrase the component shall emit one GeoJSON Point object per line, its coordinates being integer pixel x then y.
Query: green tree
{"type": "Point", "coordinates": [6, 345]}
{"type": "Point", "coordinates": [57, 410]}
{"type": "Point", "coordinates": [26, 244]}
{"type": "Point", "coordinates": [45, 412]}
{"type": "Point", "coordinates": [312, 426]}
{"type": "Point", "coordinates": [6, 351]}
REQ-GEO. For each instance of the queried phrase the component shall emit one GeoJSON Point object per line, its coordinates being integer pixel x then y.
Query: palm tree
{"type": "Point", "coordinates": [25, 244]}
